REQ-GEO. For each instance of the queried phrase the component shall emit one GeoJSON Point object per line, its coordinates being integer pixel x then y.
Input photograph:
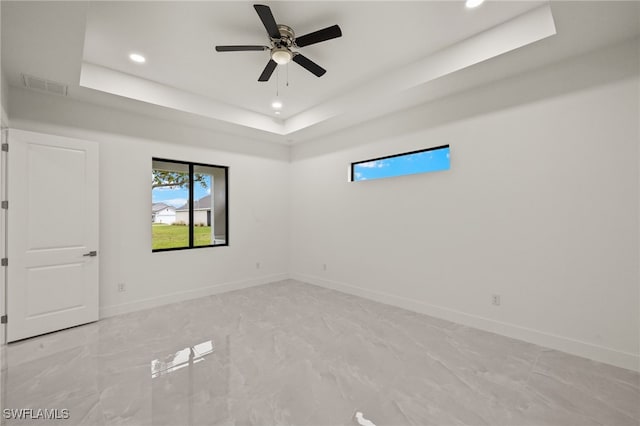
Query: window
{"type": "Point", "coordinates": [188, 205]}
{"type": "Point", "coordinates": [426, 160]}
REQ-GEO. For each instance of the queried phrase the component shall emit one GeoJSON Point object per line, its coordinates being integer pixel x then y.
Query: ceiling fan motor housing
{"type": "Point", "coordinates": [281, 48]}
{"type": "Point", "coordinates": [286, 35]}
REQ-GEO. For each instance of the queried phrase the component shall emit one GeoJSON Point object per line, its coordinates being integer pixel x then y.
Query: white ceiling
{"type": "Point", "coordinates": [178, 41]}
{"type": "Point", "coordinates": [384, 45]}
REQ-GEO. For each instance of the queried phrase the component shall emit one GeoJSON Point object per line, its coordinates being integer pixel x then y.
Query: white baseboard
{"type": "Point", "coordinates": [113, 310]}
{"type": "Point", "coordinates": [565, 344]}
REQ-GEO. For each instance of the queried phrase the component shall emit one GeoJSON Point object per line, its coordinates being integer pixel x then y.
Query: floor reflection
{"type": "Point", "coordinates": [183, 358]}
{"type": "Point", "coordinates": [191, 385]}
{"type": "Point", "coordinates": [362, 420]}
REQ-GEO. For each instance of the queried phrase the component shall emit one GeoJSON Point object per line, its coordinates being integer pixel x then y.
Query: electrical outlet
{"type": "Point", "coordinates": [257, 265]}
{"type": "Point", "coordinates": [324, 266]}
{"type": "Point", "coordinates": [121, 287]}
{"type": "Point", "coordinates": [495, 299]}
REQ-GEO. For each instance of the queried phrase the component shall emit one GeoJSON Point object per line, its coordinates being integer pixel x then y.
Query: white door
{"type": "Point", "coordinates": [52, 280]}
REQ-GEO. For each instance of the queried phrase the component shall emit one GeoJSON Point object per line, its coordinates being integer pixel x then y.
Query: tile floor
{"type": "Point", "coordinates": [293, 353]}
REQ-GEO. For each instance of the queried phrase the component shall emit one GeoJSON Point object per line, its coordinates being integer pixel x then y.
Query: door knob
{"type": "Point", "coordinates": [91, 254]}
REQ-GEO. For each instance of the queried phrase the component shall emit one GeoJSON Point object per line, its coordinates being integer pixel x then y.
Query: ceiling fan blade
{"type": "Point", "coordinates": [268, 70]}
{"type": "Point", "coordinates": [264, 12]}
{"type": "Point", "coordinates": [309, 65]}
{"type": "Point", "coordinates": [324, 34]}
{"type": "Point", "coordinates": [239, 48]}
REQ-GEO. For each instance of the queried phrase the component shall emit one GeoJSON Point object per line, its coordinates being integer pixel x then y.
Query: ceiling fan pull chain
{"type": "Point", "coordinates": [277, 82]}
{"type": "Point", "coordinates": [287, 75]}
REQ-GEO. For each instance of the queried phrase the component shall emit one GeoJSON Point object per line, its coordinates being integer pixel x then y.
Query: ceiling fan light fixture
{"type": "Point", "coordinates": [281, 55]}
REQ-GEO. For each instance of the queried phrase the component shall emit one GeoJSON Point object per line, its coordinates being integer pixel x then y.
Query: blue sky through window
{"type": "Point", "coordinates": [177, 197]}
{"type": "Point", "coordinates": [419, 162]}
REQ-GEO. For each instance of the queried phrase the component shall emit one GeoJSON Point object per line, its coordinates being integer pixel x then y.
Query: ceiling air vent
{"type": "Point", "coordinates": [44, 85]}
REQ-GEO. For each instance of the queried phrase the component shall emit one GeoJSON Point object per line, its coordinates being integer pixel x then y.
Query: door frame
{"type": "Point", "coordinates": [4, 131]}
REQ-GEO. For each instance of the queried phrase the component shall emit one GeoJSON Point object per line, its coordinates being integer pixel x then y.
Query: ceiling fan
{"type": "Point", "coordinates": [283, 41]}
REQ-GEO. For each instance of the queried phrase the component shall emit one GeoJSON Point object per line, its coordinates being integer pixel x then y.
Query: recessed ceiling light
{"type": "Point", "coordinates": [473, 3]}
{"type": "Point", "coordinates": [276, 104]}
{"type": "Point", "coordinates": [136, 57]}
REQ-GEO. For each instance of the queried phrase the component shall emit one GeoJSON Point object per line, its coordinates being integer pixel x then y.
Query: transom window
{"type": "Point", "coordinates": [408, 163]}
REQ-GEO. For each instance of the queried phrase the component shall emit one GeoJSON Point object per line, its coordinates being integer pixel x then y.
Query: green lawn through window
{"type": "Point", "coordinates": [176, 236]}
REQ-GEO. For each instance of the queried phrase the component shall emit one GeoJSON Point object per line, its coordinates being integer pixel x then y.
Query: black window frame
{"type": "Point", "coordinates": [191, 165]}
{"type": "Point", "coordinates": [419, 151]}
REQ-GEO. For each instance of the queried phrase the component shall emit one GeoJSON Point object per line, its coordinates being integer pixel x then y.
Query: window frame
{"type": "Point", "coordinates": [191, 166]}
{"type": "Point", "coordinates": [419, 151]}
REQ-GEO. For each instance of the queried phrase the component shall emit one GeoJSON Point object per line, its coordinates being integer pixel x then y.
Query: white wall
{"type": "Point", "coordinates": [540, 206]}
{"type": "Point", "coordinates": [4, 89]}
{"type": "Point", "coordinates": [258, 202]}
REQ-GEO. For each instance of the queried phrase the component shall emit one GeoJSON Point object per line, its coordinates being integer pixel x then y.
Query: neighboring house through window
{"type": "Point", "coordinates": [162, 213]}
{"type": "Point", "coordinates": [201, 212]}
